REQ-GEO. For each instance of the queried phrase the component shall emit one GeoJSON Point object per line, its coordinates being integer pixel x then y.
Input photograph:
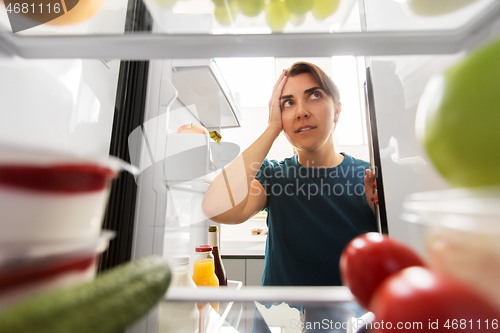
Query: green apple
{"type": "Point", "coordinates": [436, 7]}
{"type": "Point", "coordinates": [222, 2]}
{"type": "Point", "coordinates": [458, 118]}
{"type": "Point", "coordinates": [323, 8]}
{"type": "Point", "coordinates": [297, 19]}
{"type": "Point", "coordinates": [277, 15]}
{"type": "Point", "coordinates": [299, 7]}
{"type": "Point", "coordinates": [225, 17]}
{"type": "Point", "coordinates": [251, 8]}
{"type": "Point", "coordinates": [166, 3]}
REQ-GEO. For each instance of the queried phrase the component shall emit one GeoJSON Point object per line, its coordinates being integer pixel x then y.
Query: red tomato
{"type": "Point", "coordinates": [420, 300]}
{"type": "Point", "coordinates": [369, 259]}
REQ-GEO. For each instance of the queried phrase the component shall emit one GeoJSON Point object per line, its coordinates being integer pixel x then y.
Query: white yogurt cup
{"type": "Point", "coordinates": [48, 195]}
{"type": "Point", "coordinates": [27, 269]}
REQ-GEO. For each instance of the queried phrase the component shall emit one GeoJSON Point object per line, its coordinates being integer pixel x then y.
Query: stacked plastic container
{"type": "Point", "coordinates": [459, 231]}
{"type": "Point", "coordinates": [51, 209]}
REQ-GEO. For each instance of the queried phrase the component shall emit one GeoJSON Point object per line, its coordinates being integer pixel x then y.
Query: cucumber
{"type": "Point", "coordinates": [108, 304]}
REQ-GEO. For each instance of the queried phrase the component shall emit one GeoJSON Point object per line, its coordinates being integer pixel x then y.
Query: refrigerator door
{"type": "Point", "coordinates": [395, 87]}
{"type": "Point", "coordinates": [394, 27]}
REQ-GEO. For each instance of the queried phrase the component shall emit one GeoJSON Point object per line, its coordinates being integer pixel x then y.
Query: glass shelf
{"type": "Point", "coordinates": [275, 309]}
{"type": "Point", "coordinates": [190, 30]}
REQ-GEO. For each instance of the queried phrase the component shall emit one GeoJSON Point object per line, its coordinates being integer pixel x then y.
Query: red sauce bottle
{"type": "Point", "coordinates": [213, 240]}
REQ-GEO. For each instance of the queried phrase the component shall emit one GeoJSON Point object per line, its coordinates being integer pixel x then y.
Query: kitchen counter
{"type": "Point", "coordinates": [237, 241]}
{"type": "Point", "coordinates": [244, 249]}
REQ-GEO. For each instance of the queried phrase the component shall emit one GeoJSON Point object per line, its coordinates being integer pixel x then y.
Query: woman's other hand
{"type": "Point", "coordinates": [274, 103]}
{"type": "Point", "coordinates": [371, 192]}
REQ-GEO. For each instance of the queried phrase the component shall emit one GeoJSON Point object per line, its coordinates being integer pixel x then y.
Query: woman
{"type": "Point", "coordinates": [317, 200]}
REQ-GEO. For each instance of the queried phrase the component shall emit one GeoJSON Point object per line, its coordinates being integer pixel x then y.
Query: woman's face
{"type": "Point", "coordinates": [307, 112]}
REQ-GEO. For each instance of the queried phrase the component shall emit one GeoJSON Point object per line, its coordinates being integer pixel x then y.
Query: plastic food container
{"type": "Point", "coordinates": [460, 231]}
{"type": "Point", "coordinates": [48, 195]}
{"type": "Point", "coordinates": [30, 268]}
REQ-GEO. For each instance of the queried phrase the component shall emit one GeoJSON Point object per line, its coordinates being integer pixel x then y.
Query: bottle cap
{"type": "Point", "coordinates": [212, 228]}
{"type": "Point", "coordinates": [182, 259]}
{"type": "Point", "coordinates": [204, 248]}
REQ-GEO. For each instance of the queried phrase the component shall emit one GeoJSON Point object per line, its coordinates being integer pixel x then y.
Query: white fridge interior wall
{"type": "Point", "coordinates": [169, 219]}
{"type": "Point", "coordinates": [175, 169]}
{"type": "Point", "coordinates": [58, 104]}
{"type": "Point", "coordinates": [62, 104]}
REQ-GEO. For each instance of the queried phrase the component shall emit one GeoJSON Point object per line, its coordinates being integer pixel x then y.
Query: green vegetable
{"type": "Point", "coordinates": [106, 305]}
{"type": "Point", "coordinates": [323, 8]}
{"type": "Point", "coordinates": [224, 17]}
{"type": "Point", "coordinates": [434, 7]}
{"type": "Point", "coordinates": [458, 117]}
{"type": "Point", "coordinates": [277, 15]}
{"type": "Point", "coordinates": [166, 3]}
{"type": "Point", "coordinates": [251, 8]}
{"type": "Point", "coordinates": [299, 7]}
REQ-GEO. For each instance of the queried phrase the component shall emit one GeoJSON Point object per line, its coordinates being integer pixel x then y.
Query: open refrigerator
{"type": "Point", "coordinates": [122, 82]}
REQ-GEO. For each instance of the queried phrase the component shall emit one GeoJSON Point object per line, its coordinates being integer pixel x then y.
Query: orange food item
{"type": "Point", "coordinates": [204, 273]}
{"type": "Point", "coordinates": [84, 10]}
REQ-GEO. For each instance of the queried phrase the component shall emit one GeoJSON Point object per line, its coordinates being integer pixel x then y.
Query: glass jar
{"type": "Point", "coordinates": [204, 267]}
{"type": "Point", "coordinates": [204, 275]}
{"type": "Point", "coordinates": [179, 317]}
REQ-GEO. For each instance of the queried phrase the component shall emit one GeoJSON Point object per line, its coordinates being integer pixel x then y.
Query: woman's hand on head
{"type": "Point", "coordinates": [274, 103]}
{"type": "Point", "coordinates": [371, 192]}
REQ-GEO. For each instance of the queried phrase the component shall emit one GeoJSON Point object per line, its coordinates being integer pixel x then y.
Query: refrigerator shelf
{"type": "Point", "coordinates": [373, 38]}
{"type": "Point", "coordinates": [197, 185]}
{"type": "Point", "coordinates": [300, 295]}
{"type": "Point", "coordinates": [213, 320]}
{"type": "Point", "coordinates": [203, 90]}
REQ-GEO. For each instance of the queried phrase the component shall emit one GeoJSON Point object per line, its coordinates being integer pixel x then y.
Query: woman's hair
{"type": "Point", "coordinates": [324, 81]}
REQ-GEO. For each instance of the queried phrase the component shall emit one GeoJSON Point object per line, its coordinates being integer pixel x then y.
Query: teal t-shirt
{"type": "Point", "coordinates": [312, 214]}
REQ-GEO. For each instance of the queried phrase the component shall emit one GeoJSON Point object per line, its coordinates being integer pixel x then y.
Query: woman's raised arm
{"type": "Point", "coordinates": [234, 195]}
